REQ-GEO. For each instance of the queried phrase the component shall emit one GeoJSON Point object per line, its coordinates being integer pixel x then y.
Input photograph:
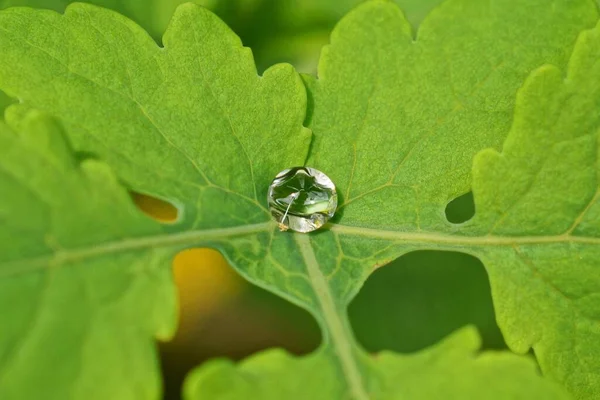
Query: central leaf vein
{"type": "Point", "coordinates": [198, 237]}
{"type": "Point", "coordinates": [340, 335]}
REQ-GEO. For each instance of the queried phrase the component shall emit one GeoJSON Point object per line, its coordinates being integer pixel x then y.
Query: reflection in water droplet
{"type": "Point", "coordinates": [302, 199]}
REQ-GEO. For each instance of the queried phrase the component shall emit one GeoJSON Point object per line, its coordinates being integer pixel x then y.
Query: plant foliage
{"type": "Point", "coordinates": [402, 121]}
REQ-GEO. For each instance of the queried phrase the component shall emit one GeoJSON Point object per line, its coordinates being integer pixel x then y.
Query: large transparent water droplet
{"type": "Point", "coordinates": [302, 199]}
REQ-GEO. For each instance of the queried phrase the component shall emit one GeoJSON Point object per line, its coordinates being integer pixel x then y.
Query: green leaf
{"type": "Point", "coordinates": [396, 124]}
{"type": "Point", "coordinates": [74, 311]}
{"type": "Point", "coordinates": [175, 121]}
{"type": "Point", "coordinates": [544, 191]}
{"type": "Point", "coordinates": [109, 307]}
{"type": "Point", "coordinates": [452, 369]}
{"type": "Point", "coordinates": [234, 113]}
{"type": "Point", "coordinates": [536, 226]}
{"type": "Point", "coordinates": [406, 117]}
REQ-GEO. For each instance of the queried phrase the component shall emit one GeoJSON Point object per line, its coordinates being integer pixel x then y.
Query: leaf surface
{"type": "Point", "coordinates": [265, 124]}
{"type": "Point", "coordinates": [72, 317]}
{"type": "Point", "coordinates": [396, 124]}
{"type": "Point", "coordinates": [451, 369]}
{"type": "Point", "coordinates": [536, 225]}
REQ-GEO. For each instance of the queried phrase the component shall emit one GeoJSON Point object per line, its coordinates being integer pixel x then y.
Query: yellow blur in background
{"type": "Point", "coordinates": [203, 277]}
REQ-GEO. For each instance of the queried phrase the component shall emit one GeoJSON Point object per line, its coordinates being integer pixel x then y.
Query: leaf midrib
{"type": "Point", "coordinates": [197, 237]}
{"type": "Point", "coordinates": [62, 256]}
{"type": "Point", "coordinates": [342, 342]}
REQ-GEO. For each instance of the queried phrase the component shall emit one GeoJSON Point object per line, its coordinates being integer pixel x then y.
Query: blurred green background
{"type": "Point", "coordinates": [405, 306]}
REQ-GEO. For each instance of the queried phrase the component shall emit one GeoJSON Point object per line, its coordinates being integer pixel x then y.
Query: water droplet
{"type": "Point", "coordinates": [302, 199]}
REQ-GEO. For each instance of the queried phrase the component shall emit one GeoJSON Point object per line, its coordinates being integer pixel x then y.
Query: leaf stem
{"type": "Point", "coordinates": [341, 337]}
{"type": "Point", "coordinates": [184, 239]}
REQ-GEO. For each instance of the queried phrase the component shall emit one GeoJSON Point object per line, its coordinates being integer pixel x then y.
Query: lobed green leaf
{"type": "Point", "coordinates": [396, 123]}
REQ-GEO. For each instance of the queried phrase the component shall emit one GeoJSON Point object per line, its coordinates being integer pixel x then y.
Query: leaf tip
{"type": "Point", "coordinates": [373, 20]}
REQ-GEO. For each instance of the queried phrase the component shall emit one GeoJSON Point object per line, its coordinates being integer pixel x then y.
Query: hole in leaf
{"type": "Point", "coordinates": [222, 315]}
{"type": "Point", "coordinates": [422, 297]}
{"type": "Point", "coordinates": [158, 209]}
{"type": "Point", "coordinates": [461, 209]}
